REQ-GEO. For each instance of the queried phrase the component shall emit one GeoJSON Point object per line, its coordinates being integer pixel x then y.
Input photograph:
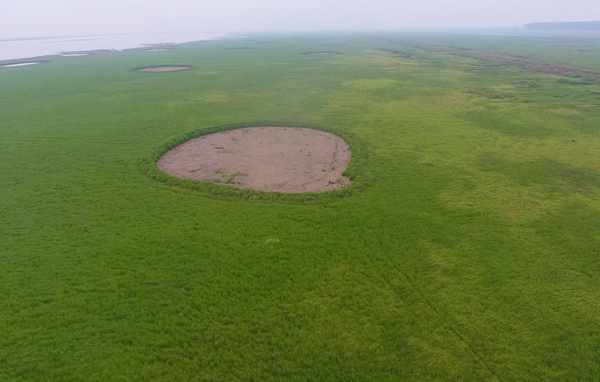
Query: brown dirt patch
{"type": "Point", "coordinates": [276, 159]}
{"type": "Point", "coordinates": [162, 69]}
{"type": "Point", "coordinates": [321, 53]}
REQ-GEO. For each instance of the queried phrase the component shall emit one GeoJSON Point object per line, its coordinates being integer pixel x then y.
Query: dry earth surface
{"type": "Point", "coordinates": [160, 69]}
{"type": "Point", "coordinates": [277, 159]}
{"type": "Point", "coordinates": [323, 54]}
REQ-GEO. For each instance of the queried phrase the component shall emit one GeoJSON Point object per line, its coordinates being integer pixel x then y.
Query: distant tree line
{"type": "Point", "coordinates": [575, 26]}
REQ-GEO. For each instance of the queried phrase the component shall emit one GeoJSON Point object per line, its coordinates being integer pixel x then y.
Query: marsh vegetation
{"type": "Point", "coordinates": [467, 247]}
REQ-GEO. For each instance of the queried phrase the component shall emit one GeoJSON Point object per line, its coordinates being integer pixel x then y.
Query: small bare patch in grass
{"type": "Point", "coordinates": [162, 69]}
{"type": "Point", "coordinates": [321, 53]}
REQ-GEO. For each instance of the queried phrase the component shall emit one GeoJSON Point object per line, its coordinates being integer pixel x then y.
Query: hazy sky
{"type": "Point", "coordinates": [26, 18]}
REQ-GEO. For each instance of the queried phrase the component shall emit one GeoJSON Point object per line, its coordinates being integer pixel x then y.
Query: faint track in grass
{"type": "Point", "coordinates": [519, 61]}
{"type": "Point", "coordinates": [385, 265]}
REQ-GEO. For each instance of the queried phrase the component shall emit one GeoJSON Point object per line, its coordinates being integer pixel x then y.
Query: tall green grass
{"type": "Point", "coordinates": [467, 249]}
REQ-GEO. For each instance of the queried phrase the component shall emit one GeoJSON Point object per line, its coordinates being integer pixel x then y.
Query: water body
{"type": "Point", "coordinates": [19, 64]}
{"type": "Point", "coordinates": [13, 49]}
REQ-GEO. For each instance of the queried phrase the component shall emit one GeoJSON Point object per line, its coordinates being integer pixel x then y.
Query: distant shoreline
{"type": "Point", "coordinates": [565, 26]}
{"type": "Point", "coordinates": [35, 47]}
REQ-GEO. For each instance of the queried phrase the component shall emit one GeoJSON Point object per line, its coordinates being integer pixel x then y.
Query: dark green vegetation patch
{"type": "Point", "coordinates": [468, 248]}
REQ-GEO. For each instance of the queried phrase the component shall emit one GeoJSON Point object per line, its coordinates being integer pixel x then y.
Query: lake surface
{"type": "Point", "coordinates": [12, 49]}
{"type": "Point", "coordinates": [20, 64]}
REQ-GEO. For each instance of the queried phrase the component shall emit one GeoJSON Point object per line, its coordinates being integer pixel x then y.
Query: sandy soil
{"type": "Point", "coordinates": [161, 69]}
{"type": "Point", "coordinates": [322, 54]}
{"type": "Point", "coordinates": [282, 159]}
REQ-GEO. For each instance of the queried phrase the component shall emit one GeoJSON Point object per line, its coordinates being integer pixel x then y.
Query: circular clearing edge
{"type": "Point", "coordinates": [355, 172]}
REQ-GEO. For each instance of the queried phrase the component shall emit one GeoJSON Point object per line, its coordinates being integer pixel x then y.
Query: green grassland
{"type": "Point", "coordinates": [468, 249]}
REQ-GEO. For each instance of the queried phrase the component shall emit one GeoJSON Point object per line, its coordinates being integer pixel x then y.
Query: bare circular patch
{"type": "Point", "coordinates": [321, 53]}
{"type": "Point", "coordinates": [162, 69]}
{"type": "Point", "coordinates": [276, 159]}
